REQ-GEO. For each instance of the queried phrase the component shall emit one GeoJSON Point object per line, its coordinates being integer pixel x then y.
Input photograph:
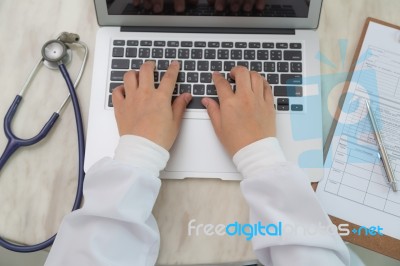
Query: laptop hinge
{"type": "Point", "coordinates": [207, 30]}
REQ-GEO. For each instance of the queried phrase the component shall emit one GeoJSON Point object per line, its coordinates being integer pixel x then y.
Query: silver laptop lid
{"type": "Point", "coordinates": [263, 14]}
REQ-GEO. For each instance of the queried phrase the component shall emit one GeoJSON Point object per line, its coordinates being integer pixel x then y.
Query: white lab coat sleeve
{"type": "Point", "coordinates": [115, 226]}
{"type": "Point", "coordinates": [278, 191]}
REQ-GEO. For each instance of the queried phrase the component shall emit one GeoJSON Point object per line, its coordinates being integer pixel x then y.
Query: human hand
{"type": "Point", "coordinates": [157, 6]}
{"type": "Point", "coordinates": [236, 5]}
{"type": "Point", "coordinates": [245, 116]}
{"type": "Point", "coordinates": [142, 110]}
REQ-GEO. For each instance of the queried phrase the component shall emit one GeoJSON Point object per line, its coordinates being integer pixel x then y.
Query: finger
{"type": "Point", "coordinates": [268, 97]}
{"type": "Point", "coordinates": [179, 5]}
{"type": "Point", "coordinates": [118, 96]}
{"type": "Point", "coordinates": [146, 75]}
{"type": "Point", "coordinates": [219, 5]}
{"type": "Point", "coordinates": [257, 84]}
{"type": "Point", "coordinates": [179, 107]}
{"type": "Point", "coordinates": [147, 4]}
{"type": "Point", "coordinates": [168, 81]}
{"type": "Point", "coordinates": [158, 6]}
{"type": "Point", "coordinates": [241, 75]}
{"type": "Point", "coordinates": [130, 81]}
{"type": "Point", "coordinates": [260, 5]}
{"type": "Point", "coordinates": [248, 5]}
{"type": "Point", "coordinates": [224, 90]}
{"type": "Point", "coordinates": [235, 6]}
{"type": "Point", "coordinates": [214, 113]}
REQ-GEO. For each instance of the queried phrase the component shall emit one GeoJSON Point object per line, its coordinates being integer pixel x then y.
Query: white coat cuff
{"type": "Point", "coordinates": [264, 152]}
{"type": "Point", "coordinates": [141, 152]}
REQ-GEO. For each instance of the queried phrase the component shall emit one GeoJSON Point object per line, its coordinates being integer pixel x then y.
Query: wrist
{"type": "Point", "coordinates": [141, 152]}
{"type": "Point", "coordinates": [259, 154]}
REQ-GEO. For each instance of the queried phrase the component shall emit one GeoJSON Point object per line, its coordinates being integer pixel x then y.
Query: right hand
{"type": "Point", "coordinates": [245, 116]}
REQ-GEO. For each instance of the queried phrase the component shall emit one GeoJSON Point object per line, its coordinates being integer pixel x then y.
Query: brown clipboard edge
{"type": "Point", "coordinates": [385, 245]}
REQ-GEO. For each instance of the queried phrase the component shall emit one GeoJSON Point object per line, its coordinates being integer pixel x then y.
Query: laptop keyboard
{"type": "Point", "coordinates": [281, 63]}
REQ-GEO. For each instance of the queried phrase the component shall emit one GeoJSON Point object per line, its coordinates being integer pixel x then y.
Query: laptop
{"type": "Point", "coordinates": [273, 37]}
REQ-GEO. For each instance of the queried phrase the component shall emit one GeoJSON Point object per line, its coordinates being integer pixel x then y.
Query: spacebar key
{"type": "Point", "coordinates": [195, 103]}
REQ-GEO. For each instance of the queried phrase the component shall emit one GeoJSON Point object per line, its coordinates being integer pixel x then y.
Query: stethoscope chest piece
{"type": "Point", "coordinates": [54, 52]}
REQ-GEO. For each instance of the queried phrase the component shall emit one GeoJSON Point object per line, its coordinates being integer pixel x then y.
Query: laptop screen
{"type": "Point", "coordinates": [214, 8]}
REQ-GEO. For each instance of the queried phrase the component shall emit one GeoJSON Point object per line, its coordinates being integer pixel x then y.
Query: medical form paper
{"type": "Point", "coordinates": [355, 187]}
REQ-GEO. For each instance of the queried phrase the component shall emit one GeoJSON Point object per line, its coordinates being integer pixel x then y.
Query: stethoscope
{"type": "Point", "coordinates": [55, 54]}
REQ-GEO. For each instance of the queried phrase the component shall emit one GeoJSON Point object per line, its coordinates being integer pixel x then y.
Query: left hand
{"type": "Point", "coordinates": [142, 110]}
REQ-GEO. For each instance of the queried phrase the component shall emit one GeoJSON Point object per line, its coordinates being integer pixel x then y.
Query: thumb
{"type": "Point", "coordinates": [214, 113]}
{"type": "Point", "coordinates": [179, 107]}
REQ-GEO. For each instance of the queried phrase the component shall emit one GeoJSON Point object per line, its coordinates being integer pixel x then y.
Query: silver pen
{"type": "Point", "coordinates": [382, 151]}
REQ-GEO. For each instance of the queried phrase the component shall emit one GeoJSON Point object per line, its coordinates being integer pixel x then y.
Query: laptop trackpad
{"type": "Point", "coordinates": [197, 149]}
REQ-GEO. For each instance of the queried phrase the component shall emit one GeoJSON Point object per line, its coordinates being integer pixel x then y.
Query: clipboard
{"type": "Point", "coordinates": [385, 245]}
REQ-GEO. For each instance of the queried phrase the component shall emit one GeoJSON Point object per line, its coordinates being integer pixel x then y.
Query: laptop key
{"type": "Point", "coordinates": [119, 42]}
{"type": "Point", "coordinates": [211, 90]}
{"type": "Point", "coordinates": [240, 45]}
{"type": "Point", "coordinates": [192, 77]}
{"type": "Point", "coordinates": [295, 79]}
{"type": "Point", "coordinates": [136, 63]}
{"type": "Point", "coordinates": [213, 44]}
{"type": "Point", "coordinates": [216, 65]}
{"type": "Point", "coordinates": [283, 107]}
{"type": "Point", "coordinates": [209, 53]}
{"type": "Point", "coordinates": [202, 65]}
{"type": "Point", "coordinates": [144, 52]}
{"type": "Point", "coordinates": [223, 54]}
{"type": "Point", "coordinates": [256, 66]}
{"type": "Point", "coordinates": [198, 89]}
{"type": "Point", "coordinates": [120, 64]}
{"type": "Point", "coordinates": [249, 54]}
{"type": "Point", "coordinates": [276, 55]}
{"type": "Point", "coordinates": [296, 67]}
{"type": "Point", "coordinates": [227, 44]}
{"type": "Point", "coordinates": [200, 44]}
{"type": "Point", "coordinates": [262, 55]}
{"type": "Point", "coordinates": [170, 53]}
{"type": "Point", "coordinates": [190, 65]}
{"type": "Point", "coordinates": [282, 101]}
{"type": "Point", "coordinates": [273, 78]}
{"type": "Point", "coordinates": [243, 63]}
{"type": "Point", "coordinates": [228, 65]}
{"type": "Point", "coordinates": [288, 91]}
{"type": "Point", "coordinates": [113, 85]}
{"type": "Point", "coordinates": [268, 45]}
{"type": "Point", "coordinates": [146, 43]}
{"type": "Point", "coordinates": [110, 103]}
{"type": "Point", "coordinates": [297, 107]}
{"type": "Point", "coordinates": [295, 46]}
{"type": "Point", "coordinates": [159, 43]}
{"type": "Point", "coordinates": [118, 52]}
{"type": "Point", "coordinates": [283, 67]}
{"type": "Point", "coordinates": [292, 55]}
{"type": "Point", "coordinates": [155, 74]}
{"type": "Point", "coordinates": [254, 45]}
{"type": "Point", "coordinates": [236, 54]}
{"type": "Point", "coordinates": [269, 67]}
{"type": "Point", "coordinates": [157, 53]}
{"type": "Point", "coordinates": [186, 43]}
{"type": "Point", "coordinates": [282, 45]}
{"type": "Point", "coordinates": [117, 75]}
{"type": "Point", "coordinates": [183, 53]}
{"type": "Point", "coordinates": [172, 43]}
{"type": "Point", "coordinates": [185, 88]}
{"type": "Point", "coordinates": [132, 43]}
{"type": "Point", "coordinates": [197, 54]}
{"type": "Point", "coordinates": [131, 52]}
{"type": "Point", "coordinates": [181, 77]}
{"type": "Point", "coordinates": [205, 77]}
{"type": "Point", "coordinates": [162, 64]}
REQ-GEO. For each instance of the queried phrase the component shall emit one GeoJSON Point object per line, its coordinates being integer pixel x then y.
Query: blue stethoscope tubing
{"type": "Point", "coordinates": [14, 143]}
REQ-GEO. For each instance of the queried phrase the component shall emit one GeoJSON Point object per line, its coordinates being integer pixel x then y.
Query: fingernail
{"type": "Point", "coordinates": [187, 98]}
{"type": "Point", "coordinates": [175, 63]}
